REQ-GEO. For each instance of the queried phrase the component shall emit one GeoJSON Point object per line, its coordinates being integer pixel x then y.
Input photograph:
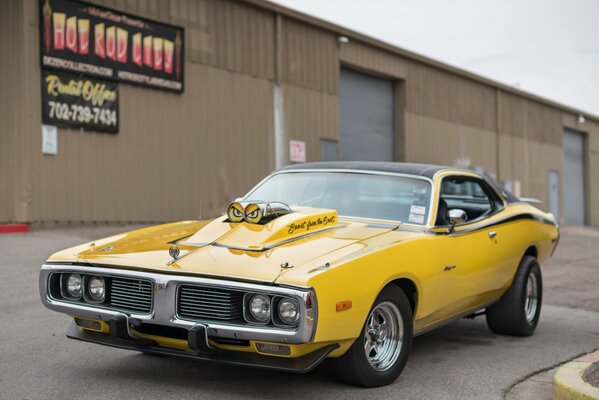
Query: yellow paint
{"type": "Point", "coordinates": [354, 260]}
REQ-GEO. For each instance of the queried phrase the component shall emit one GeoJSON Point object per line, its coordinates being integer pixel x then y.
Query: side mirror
{"type": "Point", "coordinates": [457, 216]}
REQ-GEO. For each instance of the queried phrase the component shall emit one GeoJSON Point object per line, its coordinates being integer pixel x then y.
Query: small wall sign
{"type": "Point", "coordinates": [297, 151]}
{"type": "Point", "coordinates": [49, 140]}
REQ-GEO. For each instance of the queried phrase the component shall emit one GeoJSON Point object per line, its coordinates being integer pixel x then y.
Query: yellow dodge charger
{"type": "Point", "coordinates": [343, 261]}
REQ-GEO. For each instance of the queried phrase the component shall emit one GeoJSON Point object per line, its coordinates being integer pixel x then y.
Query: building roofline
{"type": "Point", "coordinates": [360, 37]}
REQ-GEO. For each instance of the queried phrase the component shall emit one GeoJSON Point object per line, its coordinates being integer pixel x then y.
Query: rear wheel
{"type": "Point", "coordinates": [380, 353]}
{"type": "Point", "coordinates": [518, 311]}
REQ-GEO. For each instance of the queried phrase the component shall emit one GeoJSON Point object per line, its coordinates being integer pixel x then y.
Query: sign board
{"type": "Point", "coordinates": [98, 41]}
{"type": "Point", "coordinates": [297, 151]}
{"type": "Point", "coordinates": [73, 101]}
{"type": "Point", "coordinates": [49, 140]}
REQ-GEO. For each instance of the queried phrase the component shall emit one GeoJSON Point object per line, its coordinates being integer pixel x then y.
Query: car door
{"type": "Point", "coordinates": [469, 253]}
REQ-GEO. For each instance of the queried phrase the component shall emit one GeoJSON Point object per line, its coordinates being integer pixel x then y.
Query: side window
{"type": "Point", "coordinates": [466, 194]}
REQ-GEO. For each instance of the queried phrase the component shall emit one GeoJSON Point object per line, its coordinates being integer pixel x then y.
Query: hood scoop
{"type": "Point", "coordinates": [303, 221]}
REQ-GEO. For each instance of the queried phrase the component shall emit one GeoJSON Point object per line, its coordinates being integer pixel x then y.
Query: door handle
{"type": "Point", "coordinates": [492, 234]}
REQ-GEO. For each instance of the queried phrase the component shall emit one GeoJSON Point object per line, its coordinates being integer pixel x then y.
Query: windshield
{"type": "Point", "coordinates": [363, 195]}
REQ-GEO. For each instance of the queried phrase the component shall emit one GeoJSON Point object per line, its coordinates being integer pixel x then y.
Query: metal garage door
{"type": "Point", "coordinates": [574, 178]}
{"type": "Point", "coordinates": [366, 117]}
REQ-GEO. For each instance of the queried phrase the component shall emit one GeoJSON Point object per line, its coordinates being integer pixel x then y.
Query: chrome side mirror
{"type": "Point", "coordinates": [457, 216]}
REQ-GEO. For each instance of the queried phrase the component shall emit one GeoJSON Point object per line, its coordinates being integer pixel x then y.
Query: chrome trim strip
{"type": "Point", "coordinates": [164, 300]}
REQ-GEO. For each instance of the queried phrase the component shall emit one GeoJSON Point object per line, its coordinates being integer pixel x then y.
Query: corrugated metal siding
{"type": "Point", "coordinates": [310, 57]}
{"type": "Point", "coordinates": [309, 116]}
{"type": "Point", "coordinates": [11, 19]}
{"type": "Point", "coordinates": [431, 140]}
{"type": "Point", "coordinates": [176, 157]}
{"type": "Point", "coordinates": [223, 34]}
{"type": "Point", "coordinates": [366, 57]}
{"type": "Point", "coordinates": [449, 97]}
{"type": "Point", "coordinates": [524, 118]}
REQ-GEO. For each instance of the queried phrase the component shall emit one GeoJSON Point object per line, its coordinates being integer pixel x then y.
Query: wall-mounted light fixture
{"type": "Point", "coordinates": [342, 39]}
{"type": "Point", "coordinates": [581, 119]}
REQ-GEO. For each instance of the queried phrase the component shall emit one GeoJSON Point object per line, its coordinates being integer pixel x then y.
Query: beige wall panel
{"type": "Point", "coordinates": [310, 57]}
{"type": "Point", "coordinates": [176, 156]}
{"type": "Point", "coordinates": [434, 141]}
{"type": "Point", "coordinates": [445, 96]}
{"type": "Point", "coordinates": [310, 116]}
{"type": "Point", "coordinates": [11, 39]}
{"type": "Point", "coordinates": [526, 118]}
{"type": "Point", "coordinates": [366, 57]}
{"type": "Point", "coordinates": [224, 34]}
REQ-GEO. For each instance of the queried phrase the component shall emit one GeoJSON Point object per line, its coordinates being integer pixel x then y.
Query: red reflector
{"type": "Point", "coordinates": [309, 302]}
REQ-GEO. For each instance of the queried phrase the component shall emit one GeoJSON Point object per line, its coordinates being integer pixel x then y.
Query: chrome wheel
{"type": "Point", "coordinates": [383, 336]}
{"type": "Point", "coordinates": [532, 298]}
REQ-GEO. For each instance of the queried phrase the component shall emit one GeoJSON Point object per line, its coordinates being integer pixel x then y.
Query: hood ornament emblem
{"type": "Point", "coordinates": [174, 252]}
{"type": "Point", "coordinates": [286, 265]}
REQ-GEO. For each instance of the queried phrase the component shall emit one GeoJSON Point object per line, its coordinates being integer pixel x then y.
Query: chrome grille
{"type": "Point", "coordinates": [209, 303]}
{"type": "Point", "coordinates": [131, 294]}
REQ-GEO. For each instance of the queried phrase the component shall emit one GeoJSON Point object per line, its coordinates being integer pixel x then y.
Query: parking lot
{"type": "Point", "coordinates": [463, 360]}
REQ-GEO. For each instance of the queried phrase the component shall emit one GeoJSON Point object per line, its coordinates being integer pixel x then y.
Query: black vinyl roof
{"type": "Point", "coordinates": [395, 167]}
{"type": "Point", "coordinates": [426, 170]}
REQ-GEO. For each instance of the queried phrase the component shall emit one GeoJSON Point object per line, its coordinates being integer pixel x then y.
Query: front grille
{"type": "Point", "coordinates": [131, 294]}
{"type": "Point", "coordinates": [203, 303]}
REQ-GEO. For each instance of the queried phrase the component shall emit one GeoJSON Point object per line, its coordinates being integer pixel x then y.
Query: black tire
{"type": "Point", "coordinates": [508, 316]}
{"type": "Point", "coordinates": [354, 368]}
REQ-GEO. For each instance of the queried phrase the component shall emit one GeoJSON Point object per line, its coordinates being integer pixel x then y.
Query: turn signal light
{"type": "Point", "coordinates": [343, 305]}
{"type": "Point", "coordinates": [273, 349]}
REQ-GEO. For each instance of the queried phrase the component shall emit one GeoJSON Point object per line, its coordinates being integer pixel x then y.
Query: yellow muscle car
{"type": "Point", "coordinates": [343, 261]}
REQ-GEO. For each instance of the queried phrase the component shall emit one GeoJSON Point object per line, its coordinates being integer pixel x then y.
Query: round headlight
{"type": "Point", "coordinates": [74, 287]}
{"type": "Point", "coordinates": [96, 288]}
{"type": "Point", "coordinates": [260, 307]}
{"type": "Point", "coordinates": [289, 311]}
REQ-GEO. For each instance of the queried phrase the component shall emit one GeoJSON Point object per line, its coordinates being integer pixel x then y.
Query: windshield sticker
{"type": "Point", "coordinates": [416, 219]}
{"type": "Point", "coordinates": [420, 210]}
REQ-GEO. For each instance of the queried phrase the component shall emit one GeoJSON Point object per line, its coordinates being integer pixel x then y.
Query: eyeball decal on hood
{"type": "Point", "coordinates": [236, 212]}
{"type": "Point", "coordinates": [256, 212]}
{"type": "Point", "coordinates": [253, 213]}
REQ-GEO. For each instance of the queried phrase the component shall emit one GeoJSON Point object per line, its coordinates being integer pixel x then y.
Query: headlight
{"type": "Point", "coordinates": [260, 307]}
{"type": "Point", "coordinates": [96, 288]}
{"type": "Point", "coordinates": [289, 311]}
{"type": "Point", "coordinates": [74, 287]}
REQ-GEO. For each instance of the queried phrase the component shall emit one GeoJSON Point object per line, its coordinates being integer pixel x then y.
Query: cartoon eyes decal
{"type": "Point", "coordinates": [252, 212]}
{"type": "Point", "coordinates": [235, 212]}
{"type": "Point", "coordinates": [256, 212]}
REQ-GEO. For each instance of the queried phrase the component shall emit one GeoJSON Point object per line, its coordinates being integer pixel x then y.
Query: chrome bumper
{"type": "Point", "coordinates": [164, 305]}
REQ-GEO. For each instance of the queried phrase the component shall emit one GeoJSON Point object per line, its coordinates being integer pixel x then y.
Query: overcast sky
{"type": "Point", "coordinates": [546, 47]}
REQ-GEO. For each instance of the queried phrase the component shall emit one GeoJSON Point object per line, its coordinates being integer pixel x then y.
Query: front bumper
{"type": "Point", "coordinates": [164, 311]}
{"type": "Point", "coordinates": [200, 348]}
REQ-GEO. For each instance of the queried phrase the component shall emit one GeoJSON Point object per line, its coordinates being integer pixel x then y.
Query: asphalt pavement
{"type": "Point", "coordinates": [462, 360]}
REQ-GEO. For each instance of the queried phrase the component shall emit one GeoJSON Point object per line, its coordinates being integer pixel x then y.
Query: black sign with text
{"type": "Point", "coordinates": [94, 40]}
{"type": "Point", "coordinates": [75, 101]}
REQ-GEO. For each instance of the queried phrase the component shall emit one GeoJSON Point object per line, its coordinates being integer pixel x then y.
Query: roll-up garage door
{"type": "Point", "coordinates": [574, 191]}
{"type": "Point", "coordinates": [366, 117]}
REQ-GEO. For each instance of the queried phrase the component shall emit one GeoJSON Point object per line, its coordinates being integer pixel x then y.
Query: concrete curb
{"type": "Point", "coordinates": [568, 383]}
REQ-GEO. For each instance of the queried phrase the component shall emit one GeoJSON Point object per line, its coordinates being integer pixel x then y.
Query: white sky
{"type": "Point", "coordinates": [546, 47]}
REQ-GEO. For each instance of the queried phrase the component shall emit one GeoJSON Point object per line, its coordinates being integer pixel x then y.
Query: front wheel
{"type": "Point", "coordinates": [518, 311]}
{"type": "Point", "coordinates": [380, 353]}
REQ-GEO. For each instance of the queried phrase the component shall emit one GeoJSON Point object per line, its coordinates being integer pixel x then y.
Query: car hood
{"type": "Point", "coordinates": [304, 239]}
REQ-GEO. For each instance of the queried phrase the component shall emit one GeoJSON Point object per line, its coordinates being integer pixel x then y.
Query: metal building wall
{"type": "Point", "coordinates": [178, 156]}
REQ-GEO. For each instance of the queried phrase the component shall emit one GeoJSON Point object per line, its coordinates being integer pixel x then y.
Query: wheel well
{"type": "Point", "coordinates": [531, 251]}
{"type": "Point", "coordinates": [409, 288]}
